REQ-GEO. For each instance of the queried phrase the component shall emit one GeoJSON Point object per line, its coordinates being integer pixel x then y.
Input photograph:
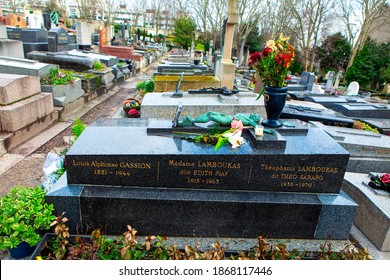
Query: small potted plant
{"type": "Point", "coordinates": [23, 213]}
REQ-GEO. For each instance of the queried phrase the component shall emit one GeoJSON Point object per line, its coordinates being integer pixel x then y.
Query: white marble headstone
{"type": "Point", "coordinates": [353, 88]}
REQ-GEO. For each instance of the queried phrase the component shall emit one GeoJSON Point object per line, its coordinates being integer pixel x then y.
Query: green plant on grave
{"type": "Point", "coordinates": [57, 77]}
{"type": "Point", "coordinates": [78, 127]}
{"type": "Point", "coordinates": [145, 86]}
{"type": "Point", "coordinates": [97, 66]}
{"type": "Point", "coordinates": [23, 211]}
{"type": "Point", "coordinates": [121, 63]}
{"type": "Point", "coordinates": [140, 86]}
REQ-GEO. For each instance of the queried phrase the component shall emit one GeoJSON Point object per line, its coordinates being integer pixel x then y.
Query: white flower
{"type": "Point", "coordinates": [236, 140]}
{"type": "Point", "coordinates": [231, 134]}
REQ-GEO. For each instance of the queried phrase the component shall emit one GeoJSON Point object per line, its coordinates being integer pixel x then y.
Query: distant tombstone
{"type": "Point", "coordinates": [123, 31]}
{"type": "Point", "coordinates": [35, 20]}
{"type": "Point", "coordinates": [353, 88]}
{"type": "Point", "coordinates": [58, 40]}
{"type": "Point", "coordinates": [103, 36]}
{"type": "Point", "coordinates": [72, 42]}
{"type": "Point", "coordinates": [329, 81]}
{"type": "Point", "coordinates": [135, 38]}
{"type": "Point", "coordinates": [304, 78]}
{"type": "Point", "coordinates": [46, 21]}
{"type": "Point", "coordinates": [3, 32]}
{"type": "Point", "coordinates": [338, 77]}
{"type": "Point", "coordinates": [95, 39]}
{"type": "Point", "coordinates": [127, 35]}
{"type": "Point", "coordinates": [33, 39]}
{"type": "Point", "coordinates": [83, 33]}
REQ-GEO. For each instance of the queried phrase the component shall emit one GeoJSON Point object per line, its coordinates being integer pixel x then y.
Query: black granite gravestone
{"type": "Point", "coordinates": [360, 110]}
{"type": "Point", "coordinates": [154, 180]}
{"type": "Point", "coordinates": [58, 40]}
{"type": "Point", "coordinates": [33, 39]}
{"type": "Point", "coordinates": [47, 21]}
{"type": "Point", "coordinates": [327, 117]}
{"type": "Point", "coordinates": [332, 101]}
{"type": "Point", "coordinates": [72, 42]}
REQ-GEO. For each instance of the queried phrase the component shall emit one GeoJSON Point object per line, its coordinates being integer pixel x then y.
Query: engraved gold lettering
{"type": "Point", "coordinates": [311, 177]}
{"type": "Point", "coordinates": [202, 173]}
{"type": "Point", "coordinates": [276, 167]}
{"type": "Point", "coordinates": [219, 164]}
{"type": "Point", "coordinates": [80, 163]}
{"type": "Point", "coordinates": [181, 163]}
{"type": "Point", "coordinates": [221, 173]}
{"type": "Point", "coordinates": [317, 169]}
{"type": "Point", "coordinates": [135, 165]}
{"type": "Point", "coordinates": [100, 164]}
{"type": "Point", "coordinates": [184, 172]}
{"type": "Point", "coordinates": [288, 176]}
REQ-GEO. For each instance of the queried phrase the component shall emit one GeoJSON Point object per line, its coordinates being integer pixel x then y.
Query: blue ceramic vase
{"type": "Point", "coordinates": [21, 251]}
{"type": "Point", "coordinates": [274, 99]}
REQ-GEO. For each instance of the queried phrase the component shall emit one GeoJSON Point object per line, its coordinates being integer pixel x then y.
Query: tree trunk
{"type": "Point", "coordinates": [351, 58]}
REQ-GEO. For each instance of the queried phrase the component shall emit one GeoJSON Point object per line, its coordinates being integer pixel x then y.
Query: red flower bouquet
{"type": "Point", "coordinates": [273, 62]}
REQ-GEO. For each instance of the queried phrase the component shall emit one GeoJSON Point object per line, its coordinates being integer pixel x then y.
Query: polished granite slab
{"type": "Point", "coordinates": [121, 152]}
{"type": "Point", "coordinates": [204, 213]}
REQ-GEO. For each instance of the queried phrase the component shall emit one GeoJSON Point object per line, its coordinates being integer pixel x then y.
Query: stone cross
{"type": "Point", "coordinates": [228, 68]}
{"type": "Point", "coordinates": [178, 92]}
{"type": "Point", "coordinates": [177, 115]}
{"type": "Point", "coordinates": [338, 77]}
{"type": "Point", "coordinates": [329, 81]}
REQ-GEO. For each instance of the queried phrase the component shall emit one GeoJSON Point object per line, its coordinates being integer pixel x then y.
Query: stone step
{"type": "Point", "coordinates": [17, 87]}
{"type": "Point", "coordinates": [31, 130]}
{"type": "Point", "coordinates": [3, 140]}
{"type": "Point", "coordinates": [18, 115]}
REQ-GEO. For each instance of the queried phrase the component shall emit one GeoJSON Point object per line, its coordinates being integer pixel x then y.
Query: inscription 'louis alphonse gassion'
{"type": "Point", "coordinates": [122, 164]}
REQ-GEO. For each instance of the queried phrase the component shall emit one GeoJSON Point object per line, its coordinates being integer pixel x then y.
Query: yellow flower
{"type": "Point", "coordinates": [38, 258]}
{"type": "Point", "coordinates": [282, 38]}
{"type": "Point", "coordinates": [271, 44]}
